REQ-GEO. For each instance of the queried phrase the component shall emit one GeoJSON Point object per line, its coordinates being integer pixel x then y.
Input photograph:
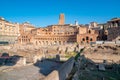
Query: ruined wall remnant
{"type": "Point", "coordinates": [63, 72]}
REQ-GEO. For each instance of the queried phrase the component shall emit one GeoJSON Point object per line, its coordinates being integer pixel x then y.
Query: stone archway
{"type": "Point", "coordinates": [59, 42]}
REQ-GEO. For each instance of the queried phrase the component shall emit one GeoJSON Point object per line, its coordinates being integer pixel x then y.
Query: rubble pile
{"type": "Point", "coordinates": [88, 69]}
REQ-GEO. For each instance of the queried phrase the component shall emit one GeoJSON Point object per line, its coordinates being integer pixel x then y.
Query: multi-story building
{"type": "Point", "coordinates": [58, 34]}
{"type": "Point", "coordinates": [113, 30]}
{"type": "Point", "coordinates": [9, 32]}
{"type": "Point", "coordinates": [25, 27]}
{"type": "Point", "coordinates": [25, 33]}
{"type": "Point", "coordinates": [93, 24]}
{"type": "Point", "coordinates": [86, 35]}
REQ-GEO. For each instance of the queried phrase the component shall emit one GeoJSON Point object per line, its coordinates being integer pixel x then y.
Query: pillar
{"type": "Point", "coordinates": [116, 24]}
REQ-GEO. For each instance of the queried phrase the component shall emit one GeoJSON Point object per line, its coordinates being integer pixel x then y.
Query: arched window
{"type": "Point", "coordinates": [39, 42]}
{"type": "Point", "coordinates": [83, 39]}
{"type": "Point", "coordinates": [98, 37]}
{"type": "Point", "coordinates": [47, 42]}
{"type": "Point", "coordinates": [87, 38]}
{"type": "Point", "coordinates": [91, 39]}
{"type": "Point", "coordinates": [55, 42]}
{"type": "Point", "coordinates": [59, 42]}
{"type": "Point", "coordinates": [89, 31]}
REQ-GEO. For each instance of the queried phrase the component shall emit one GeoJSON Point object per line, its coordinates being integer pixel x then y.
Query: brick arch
{"type": "Point", "coordinates": [89, 31]}
{"type": "Point", "coordinates": [91, 39]}
{"type": "Point", "coordinates": [83, 39]}
{"type": "Point", "coordinates": [87, 38]}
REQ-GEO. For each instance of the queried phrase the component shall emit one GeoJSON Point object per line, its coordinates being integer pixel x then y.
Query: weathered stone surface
{"type": "Point", "coordinates": [101, 67]}
{"type": "Point", "coordinates": [28, 72]}
{"type": "Point", "coordinates": [63, 72]}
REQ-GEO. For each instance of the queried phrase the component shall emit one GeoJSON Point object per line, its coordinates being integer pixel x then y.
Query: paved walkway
{"type": "Point", "coordinates": [30, 72]}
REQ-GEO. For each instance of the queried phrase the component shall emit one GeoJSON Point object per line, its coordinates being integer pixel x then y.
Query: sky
{"type": "Point", "coordinates": [46, 12]}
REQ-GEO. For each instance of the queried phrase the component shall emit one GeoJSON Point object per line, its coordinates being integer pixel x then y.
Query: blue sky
{"type": "Point", "coordinates": [46, 12]}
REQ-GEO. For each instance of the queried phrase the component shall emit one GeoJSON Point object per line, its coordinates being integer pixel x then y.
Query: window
{"type": "Point", "coordinates": [91, 39]}
{"type": "Point", "coordinates": [39, 42]}
{"type": "Point", "coordinates": [87, 38]}
{"type": "Point", "coordinates": [83, 39]}
{"type": "Point", "coordinates": [89, 31]}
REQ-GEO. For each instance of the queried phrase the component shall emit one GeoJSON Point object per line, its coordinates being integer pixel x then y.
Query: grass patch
{"type": "Point", "coordinates": [99, 75]}
{"type": "Point", "coordinates": [70, 54]}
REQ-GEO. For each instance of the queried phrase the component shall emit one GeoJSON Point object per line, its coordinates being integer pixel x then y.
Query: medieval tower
{"type": "Point", "coordinates": [61, 19]}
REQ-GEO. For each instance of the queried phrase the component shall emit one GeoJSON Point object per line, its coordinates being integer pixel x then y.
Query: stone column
{"type": "Point", "coordinates": [58, 43]}
{"type": "Point", "coordinates": [116, 24]}
{"type": "Point", "coordinates": [21, 41]}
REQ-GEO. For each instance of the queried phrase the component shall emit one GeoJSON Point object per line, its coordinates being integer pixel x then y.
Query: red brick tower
{"type": "Point", "coordinates": [61, 19]}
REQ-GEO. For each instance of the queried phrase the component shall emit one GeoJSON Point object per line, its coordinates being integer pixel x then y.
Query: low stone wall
{"type": "Point", "coordinates": [99, 42]}
{"type": "Point", "coordinates": [98, 58]}
{"type": "Point", "coordinates": [63, 72]}
{"type": "Point", "coordinates": [38, 57]}
{"type": "Point", "coordinates": [106, 42]}
{"type": "Point", "coordinates": [109, 42]}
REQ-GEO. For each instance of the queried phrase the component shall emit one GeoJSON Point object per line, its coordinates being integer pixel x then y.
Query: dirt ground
{"type": "Point", "coordinates": [111, 53]}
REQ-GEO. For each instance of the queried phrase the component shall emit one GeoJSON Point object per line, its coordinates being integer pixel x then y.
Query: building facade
{"type": "Point", "coordinates": [9, 32]}
{"type": "Point", "coordinates": [25, 33]}
{"type": "Point", "coordinates": [25, 27]}
{"type": "Point", "coordinates": [86, 35]}
{"type": "Point", "coordinates": [113, 29]}
{"type": "Point", "coordinates": [93, 24]}
{"type": "Point", "coordinates": [58, 34]}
